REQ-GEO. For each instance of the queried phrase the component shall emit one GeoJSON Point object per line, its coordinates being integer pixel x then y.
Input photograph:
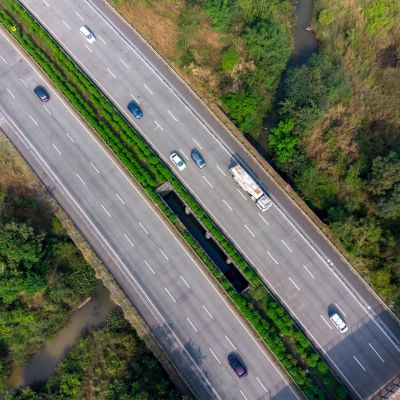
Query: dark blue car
{"type": "Point", "coordinates": [42, 93]}
{"type": "Point", "coordinates": [135, 110]}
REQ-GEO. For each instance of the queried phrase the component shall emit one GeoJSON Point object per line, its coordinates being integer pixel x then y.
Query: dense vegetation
{"type": "Point", "coordinates": [233, 50]}
{"type": "Point", "coordinates": [338, 140]}
{"type": "Point", "coordinates": [110, 363]}
{"type": "Point", "coordinates": [270, 320]}
{"type": "Point", "coordinates": [42, 274]}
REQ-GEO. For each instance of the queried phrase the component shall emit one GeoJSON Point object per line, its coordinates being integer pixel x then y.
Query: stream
{"type": "Point", "coordinates": [305, 44]}
{"type": "Point", "coordinates": [41, 365]}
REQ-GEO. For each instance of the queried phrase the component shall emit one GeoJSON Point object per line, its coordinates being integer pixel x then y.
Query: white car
{"type": "Point", "coordinates": [87, 34]}
{"type": "Point", "coordinates": [177, 161]}
{"type": "Point", "coordinates": [340, 324]}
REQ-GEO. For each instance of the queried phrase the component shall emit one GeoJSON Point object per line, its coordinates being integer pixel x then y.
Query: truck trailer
{"type": "Point", "coordinates": [249, 185]}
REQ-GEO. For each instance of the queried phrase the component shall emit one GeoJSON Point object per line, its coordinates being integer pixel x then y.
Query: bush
{"type": "Point", "coordinates": [230, 57]}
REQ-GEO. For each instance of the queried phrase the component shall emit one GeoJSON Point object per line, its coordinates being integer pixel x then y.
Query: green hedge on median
{"type": "Point", "coordinates": [270, 320]}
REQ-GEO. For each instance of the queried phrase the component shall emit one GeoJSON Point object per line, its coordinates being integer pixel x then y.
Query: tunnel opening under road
{"type": "Point", "coordinates": [203, 238]}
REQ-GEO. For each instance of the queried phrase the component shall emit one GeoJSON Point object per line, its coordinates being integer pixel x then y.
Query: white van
{"type": "Point", "coordinates": [340, 324]}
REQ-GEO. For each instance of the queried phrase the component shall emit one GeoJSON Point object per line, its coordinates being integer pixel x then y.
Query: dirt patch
{"type": "Point", "coordinates": [157, 22]}
{"type": "Point", "coordinates": [389, 57]}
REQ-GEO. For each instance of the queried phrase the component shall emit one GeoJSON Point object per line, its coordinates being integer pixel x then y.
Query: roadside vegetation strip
{"type": "Point", "coordinates": [269, 319]}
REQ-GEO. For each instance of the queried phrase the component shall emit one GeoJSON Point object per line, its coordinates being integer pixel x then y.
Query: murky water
{"type": "Point", "coordinates": [42, 364]}
{"type": "Point", "coordinates": [305, 44]}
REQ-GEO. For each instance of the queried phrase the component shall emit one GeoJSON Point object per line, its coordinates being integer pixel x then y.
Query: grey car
{"type": "Point", "coordinates": [198, 158]}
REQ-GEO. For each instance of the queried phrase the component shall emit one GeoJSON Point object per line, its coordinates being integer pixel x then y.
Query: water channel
{"type": "Point", "coordinates": [41, 365]}
{"type": "Point", "coordinates": [305, 44]}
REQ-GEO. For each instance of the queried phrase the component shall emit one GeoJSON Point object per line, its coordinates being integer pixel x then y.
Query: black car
{"type": "Point", "coordinates": [42, 93]}
{"type": "Point", "coordinates": [135, 110]}
{"type": "Point", "coordinates": [198, 158]}
{"type": "Point", "coordinates": [237, 366]}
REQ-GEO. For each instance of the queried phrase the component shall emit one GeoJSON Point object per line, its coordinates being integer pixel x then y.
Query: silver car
{"type": "Point", "coordinates": [198, 158]}
{"type": "Point", "coordinates": [177, 160]}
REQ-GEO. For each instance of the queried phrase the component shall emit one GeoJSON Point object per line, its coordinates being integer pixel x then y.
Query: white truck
{"type": "Point", "coordinates": [248, 184]}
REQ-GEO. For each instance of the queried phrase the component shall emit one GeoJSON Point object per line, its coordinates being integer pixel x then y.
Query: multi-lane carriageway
{"type": "Point", "coordinates": [187, 315]}
{"type": "Point", "coordinates": [288, 253]}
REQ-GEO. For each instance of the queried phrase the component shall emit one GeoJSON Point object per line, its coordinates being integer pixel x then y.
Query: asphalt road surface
{"type": "Point", "coordinates": [186, 313]}
{"type": "Point", "coordinates": [286, 250]}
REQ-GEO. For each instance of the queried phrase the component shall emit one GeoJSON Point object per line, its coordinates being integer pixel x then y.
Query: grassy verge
{"type": "Point", "coordinates": [268, 318]}
{"type": "Point", "coordinates": [231, 52]}
{"type": "Point", "coordinates": [338, 141]}
{"type": "Point", "coordinates": [43, 276]}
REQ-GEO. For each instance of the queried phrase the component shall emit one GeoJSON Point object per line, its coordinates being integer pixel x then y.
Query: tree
{"type": "Point", "coordinates": [283, 141]}
{"type": "Point", "coordinates": [20, 248]}
{"type": "Point", "coordinates": [385, 173]}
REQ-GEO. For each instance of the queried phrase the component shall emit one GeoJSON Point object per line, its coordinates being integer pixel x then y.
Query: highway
{"type": "Point", "coordinates": [288, 252]}
{"type": "Point", "coordinates": [186, 313]}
